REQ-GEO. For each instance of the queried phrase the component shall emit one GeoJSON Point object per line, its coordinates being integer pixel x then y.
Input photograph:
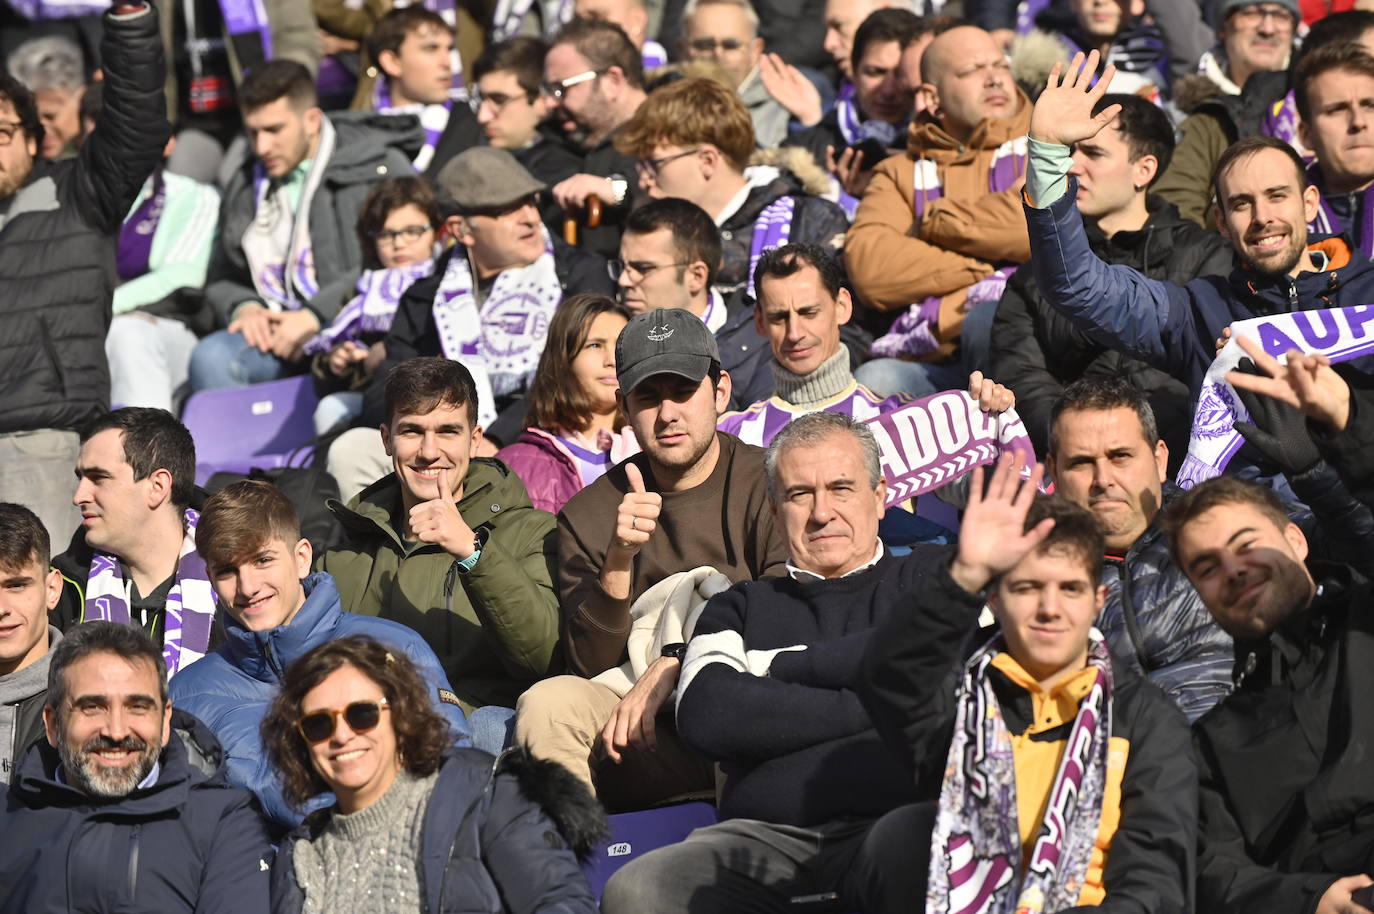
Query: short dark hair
{"type": "Point", "coordinates": [153, 440]}
{"type": "Point", "coordinates": [891, 24]}
{"type": "Point", "coordinates": [389, 32]}
{"type": "Point", "coordinates": [274, 79]}
{"type": "Point", "coordinates": [604, 45]}
{"type": "Point", "coordinates": [25, 108]}
{"type": "Point", "coordinates": [695, 234]}
{"type": "Point", "coordinates": [1347, 25]}
{"type": "Point", "coordinates": [522, 57]}
{"type": "Point", "coordinates": [1212, 493]}
{"type": "Point", "coordinates": [1075, 530]}
{"type": "Point", "coordinates": [556, 399]}
{"type": "Point", "coordinates": [423, 384]}
{"type": "Point", "coordinates": [1144, 127]}
{"type": "Point", "coordinates": [23, 538]}
{"type": "Point", "coordinates": [1343, 55]}
{"type": "Point", "coordinates": [782, 262]}
{"type": "Point", "coordinates": [1246, 147]}
{"type": "Point", "coordinates": [241, 518]}
{"type": "Point", "coordinates": [387, 197]}
{"type": "Point", "coordinates": [101, 637]}
{"type": "Point", "coordinates": [422, 734]}
{"type": "Point", "coordinates": [1101, 394]}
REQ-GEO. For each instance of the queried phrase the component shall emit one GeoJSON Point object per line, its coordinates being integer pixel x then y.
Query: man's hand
{"type": "Point", "coordinates": [791, 89]}
{"type": "Point", "coordinates": [257, 324]}
{"type": "Point", "coordinates": [993, 538]}
{"type": "Point", "coordinates": [635, 521]}
{"type": "Point", "coordinates": [438, 521]}
{"type": "Point", "coordinates": [992, 397]}
{"type": "Point", "coordinates": [1337, 900]}
{"type": "Point", "coordinates": [632, 721]}
{"type": "Point", "coordinates": [848, 170]}
{"type": "Point", "coordinates": [344, 355]}
{"type": "Point", "coordinates": [1307, 382]}
{"type": "Point", "coordinates": [1064, 113]}
{"type": "Point", "coordinates": [291, 332]}
{"type": "Point", "coordinates": [572, 193]}
{"type": "Point", "coordinates": [1223, 340]}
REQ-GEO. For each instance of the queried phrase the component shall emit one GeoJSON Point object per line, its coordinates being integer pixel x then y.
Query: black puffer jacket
{"type": "Point", "coordinates": [1037, 352]}
{"type": "Point", "coordinates": [58, 235]}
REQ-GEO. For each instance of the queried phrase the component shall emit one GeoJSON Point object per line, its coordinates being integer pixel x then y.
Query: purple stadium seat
{"type": "Point", "coordinates": [262, 425]}
{"type": "Point", "coordinates": [634, 834]}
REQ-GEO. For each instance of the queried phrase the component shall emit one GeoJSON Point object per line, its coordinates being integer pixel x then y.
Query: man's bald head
{"type": "Point", "coordinates": [966, 79]}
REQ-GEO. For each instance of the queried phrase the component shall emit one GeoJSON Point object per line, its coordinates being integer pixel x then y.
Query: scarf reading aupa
{"type": "Point", "coordinates": [190, 611]}
{"type": "Point", "coordinates": [975, 849]}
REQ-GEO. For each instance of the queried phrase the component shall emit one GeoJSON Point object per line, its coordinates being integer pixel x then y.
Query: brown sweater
{"type": "Point", "coordinates": [725, 522]}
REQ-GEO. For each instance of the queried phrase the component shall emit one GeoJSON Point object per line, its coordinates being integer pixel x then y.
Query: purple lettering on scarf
{"type": "Point", "coordinates": [136, 236]}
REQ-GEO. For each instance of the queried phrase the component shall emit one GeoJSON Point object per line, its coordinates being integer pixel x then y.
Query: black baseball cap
{"type": "Point", "coordinates": [664, 341]}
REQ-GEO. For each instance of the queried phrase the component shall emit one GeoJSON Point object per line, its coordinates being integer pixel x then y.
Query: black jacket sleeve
{"type": "Point", "coordinates": [1351, 450]}
{"type": "Point", "coordinates": [1017, 360]}
{"type": "Point", "coordinates": [1345, 522]}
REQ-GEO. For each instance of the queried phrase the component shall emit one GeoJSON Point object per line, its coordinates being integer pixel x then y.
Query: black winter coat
{"type": "Point", "coordinates": [500, 836]}
{"type": "Point", "coordinates": [58, 236]}
{"type": "Point", "coordinates": [1037, 352]}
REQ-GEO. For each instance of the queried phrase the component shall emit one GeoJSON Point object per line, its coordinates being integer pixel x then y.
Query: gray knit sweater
{"type": "Point", "coordinates": [368, 862]}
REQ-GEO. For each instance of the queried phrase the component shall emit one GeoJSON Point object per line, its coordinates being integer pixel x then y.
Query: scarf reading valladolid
{"type": "Point", "coordinates": [190, 611]}
{"type": "Point", "coordinates": [975, 848]}
{"type": "Point", "coordinates": [1340, 334]}
{"type": "Point", "coordinates": [937, 439]}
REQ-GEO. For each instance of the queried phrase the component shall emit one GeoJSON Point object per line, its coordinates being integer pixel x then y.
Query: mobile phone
{"type": "Point", "coordinates": [871, 152]}
{"type": "Point", "coordinates": [1364, 897]}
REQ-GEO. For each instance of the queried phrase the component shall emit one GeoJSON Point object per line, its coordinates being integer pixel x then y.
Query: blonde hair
{"type": "Point", "coordinates": [687, 113]}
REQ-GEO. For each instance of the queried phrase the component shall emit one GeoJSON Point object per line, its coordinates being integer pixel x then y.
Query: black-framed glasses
{"type": "Point", "coordinates": [8, 130]}
{"type": "Point", "coordinates": [652, 167]}
{"type": "Point", "coordinates": [394, 237]}
{"type": "Point", "coordinates": [709, 45]}
{"type": "Point", "coordinates": [637, 269]}
{"type": "Point", "coordinates": [498, 100]}
{"type": "Point", "coordinates": [361, 716]}
{"type": "Point", "coordinates": [555, 88]}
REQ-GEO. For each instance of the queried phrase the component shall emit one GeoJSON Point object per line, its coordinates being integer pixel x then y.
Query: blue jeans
{"type": "Point", "coordinates": [492, 728]}
{"type": "Point", "coordinates": [921, 379]}
{"type": "Point", "coordinates": [225, 359]}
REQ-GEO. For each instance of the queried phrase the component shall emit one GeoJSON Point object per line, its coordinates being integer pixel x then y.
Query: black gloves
{"type": "Point", "coordinates": [1278, 431]}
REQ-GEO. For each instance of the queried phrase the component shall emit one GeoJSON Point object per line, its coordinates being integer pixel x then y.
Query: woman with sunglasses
{"type": "Point", "coordinates": [417, 826]}
{"type": "Point", "coordinates": [574, 430]}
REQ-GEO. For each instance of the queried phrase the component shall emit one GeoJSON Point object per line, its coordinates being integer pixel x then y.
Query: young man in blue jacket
{"type": "Point", "coordinates": [258, 563]}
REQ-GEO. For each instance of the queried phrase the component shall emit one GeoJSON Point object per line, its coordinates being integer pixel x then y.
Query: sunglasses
{"type": "Point", "coordinates": [361, 716]}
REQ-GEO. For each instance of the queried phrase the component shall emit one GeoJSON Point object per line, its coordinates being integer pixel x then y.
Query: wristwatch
{"type": "Point", "coordinates": [479, 539]}
{"type": "Point", "coordinates": [620, 188]}
{"type": "Point", "coordinates": [676, 649]}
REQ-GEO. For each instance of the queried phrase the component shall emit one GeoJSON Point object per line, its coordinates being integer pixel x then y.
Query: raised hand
{"type": "Point", "coordinates": [438, 521]}
{"type": "Point", "coordinates": [993, 535]}
{"type": "Point", "coordinates": [1064, 112]}
{"type": "Point", "coordinates": [1307, 382]}
{"type": "Point", "coordinates": [637, 518]}
{"type": "Point", "coordinates": [991, 396]}
{"type": "Point", "coordinates": [790, 89]}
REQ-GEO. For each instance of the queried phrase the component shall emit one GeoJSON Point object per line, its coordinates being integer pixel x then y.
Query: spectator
{"type": "Point", "coordinates": [1280, 801]}
{"type": "Point", "coordinates": [1334, 89]}
{"type": "Point", "coordinates": [941, 225]}
{"type": "Point", "coordinates": [594, 77]}
{"type": "Point", "coordinates": [512, 111]}
{"type": "Point", "coordinates": [1106, 455]}
{"type": "Point", "coordinates": [1065, 781]}
{"type": "Point", "coordinates": [1256, 37]}
{"type": "Point", "coordinates": [1036, 351]}
{"type": "Point", "coordinates": [53, 68]}
{"type": "Point", "coordinates": [842, 21]}
{"type": "Point", "coordinates": [768, 692]}
{"type": "Point", "coordinates": [29, 590]}
{"type": "Point", "coordinates": [727, 32]}
{"type": "Point", "coordinates": [633, 17]}
{"type": "Point", "coordinates": [449, 546]}
{"type": "Point", "coordinates": [574, 428]}
{"type": "Point", "coordinates": [116, 810]}
{"type": "Point", "coordinates": [277, 611]}
{"type": "Point", "coordinates": [801, 307]}
{"type": "Point", "coordinates": [162, 261]}
{"type": "Point", "coordinates": [60, 230]}
{"type": "Point", "coordinates": [1122, 36]}
{"type": "Point", "coordinates": [439, 823]}
{"type": "Point", "coordinates": [287, 256]}
{"type": "Point", "coordinates": [694, 140]}
{"type": "Point", "coordinates": [397, 231]}
{"type": "Point", "coordinates": [521, 272]}
{"type": "Point", "coordinates": [670, 256]}
{"type": "Point", "coordinates": [692, 497]}
{"type": "Point", "coordinates": [135, 551]}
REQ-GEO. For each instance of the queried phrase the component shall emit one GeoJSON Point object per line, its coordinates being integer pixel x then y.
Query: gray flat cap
{"type": "Point", "coordinates": [484, 177]}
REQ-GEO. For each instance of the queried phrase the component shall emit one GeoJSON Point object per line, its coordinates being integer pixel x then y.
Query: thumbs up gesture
{"type": "Point", "coordinates": [438, 521]}
{"type": "Point", "coordinates": [637, 518]}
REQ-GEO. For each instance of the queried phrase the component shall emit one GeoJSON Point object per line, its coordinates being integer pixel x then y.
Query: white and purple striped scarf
{"type": "Point", "coordinates": [975, 848]}
{"type": "Point", "coordinates": [772, 229]}
{"type": "Point", "coordinates": [760, 423]}
{"type": "Point", "coordinates": [433, 119]}
{"type": "Point", "coordinates": [190, 611]}
{"type": "Point", "coordinates": [374, 307]}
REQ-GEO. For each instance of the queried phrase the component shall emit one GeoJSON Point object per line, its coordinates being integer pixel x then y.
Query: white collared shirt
{"type": "Point", "coordinates": [801, 574]}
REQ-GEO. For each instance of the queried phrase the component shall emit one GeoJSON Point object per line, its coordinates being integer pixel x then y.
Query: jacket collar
{"type": "Point", "coordinates": [265, 655]}
{"type": "Point", "coordinates": [1322, 288]}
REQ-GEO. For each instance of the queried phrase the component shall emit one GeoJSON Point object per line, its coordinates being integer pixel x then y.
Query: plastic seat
{"type": "Point", "coordinates": [634, 834]}
{"type": "Point", "coordinates": [261, 425]}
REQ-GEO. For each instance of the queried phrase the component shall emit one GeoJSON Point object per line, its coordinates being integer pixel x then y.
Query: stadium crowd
{"type": "Point", "coordinates": [929, 432]}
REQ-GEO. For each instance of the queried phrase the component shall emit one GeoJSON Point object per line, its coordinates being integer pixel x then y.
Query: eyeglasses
{"type": "Point", "coordinates": [498, 100]}
{"type": "Point", "coordinates": [7, 132]}
{"type": "Point", "coordinates": [709, 45]}
{"type": "Point", "coordinates": [1254, 15]}
{"type": "Point", "coordinates": [636, 269]}
{"type": "Point", "coordinates": [394, 237]}
{"type": "Point", "coordinates": [651, 167]}
{"type": "Point", "coordinates": [361, 716]}
{"type": "Point", "coordinates": [555, 88]}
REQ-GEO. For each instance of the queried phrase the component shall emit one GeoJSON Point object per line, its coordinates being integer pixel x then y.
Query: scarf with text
{"type": "Point", "coordinates": [374, 307]}
{"type": "Point", "coordinates": [136, 236]}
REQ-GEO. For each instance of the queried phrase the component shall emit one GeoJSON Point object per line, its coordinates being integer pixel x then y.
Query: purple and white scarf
{"type": "Point", "coordinates": [509, 16]}
{"type": "Point", "coordinates": [975, 848]}
{"type": "Point", "coordinates": [505, 335]}
{"type": "Point", "coordinates": [760, 423]}
{"type": "Point", "coordinates": [771, 230]}
{"type": "Point", "coordinates": [374, 307]}
{"type": "Point", "coordinates": [937, 439]}
{"type": "Point", "coordinates": [42, 10]}
{"type": "Point", "coordinates": [190, 611]}
{"type": "Point", "coordinates": [1340, 334]}
{"type": "Point", "coordinates": [136, 236]}
{"type": "Point", "coordinates": [1328, 223]}
{"type": "Point", "coordinates": [1281, 122]}
{"type": "Point", "coordinates": [433, 119]}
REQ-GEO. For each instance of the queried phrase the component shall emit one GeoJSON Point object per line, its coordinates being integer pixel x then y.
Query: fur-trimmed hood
{"type": "Point", "coordinates": [565, 799]}
{"type": "Point", "coordinates": [1193, 91]}
{"type": "Point", "coordinates": [813, 179]}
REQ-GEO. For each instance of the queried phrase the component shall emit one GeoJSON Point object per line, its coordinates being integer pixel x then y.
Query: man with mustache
{"type": "Point", "coordinates": [124, 806]}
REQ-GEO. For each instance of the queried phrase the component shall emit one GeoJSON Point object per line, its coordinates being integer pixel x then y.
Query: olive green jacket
{"type": "Point", "coordinates": [494, 627]}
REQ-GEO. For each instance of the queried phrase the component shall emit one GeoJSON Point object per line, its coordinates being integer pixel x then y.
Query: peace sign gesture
{"type": "Point", "coordinates": [1064, 112]}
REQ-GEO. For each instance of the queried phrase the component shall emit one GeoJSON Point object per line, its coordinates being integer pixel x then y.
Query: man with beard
{"type": "Point", "coordinates": [1263, 206]}
{"type": "Point", "coordinates": [124, 807]}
